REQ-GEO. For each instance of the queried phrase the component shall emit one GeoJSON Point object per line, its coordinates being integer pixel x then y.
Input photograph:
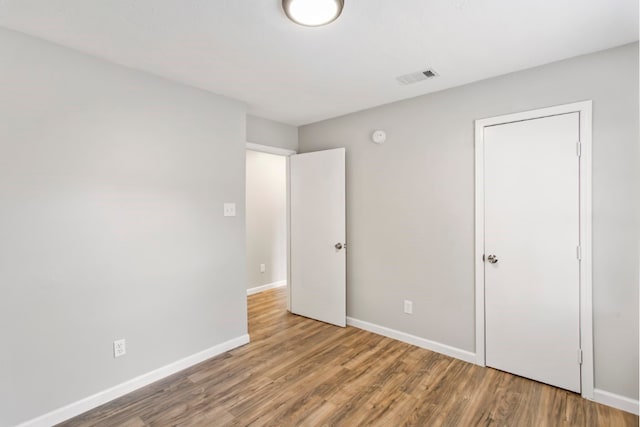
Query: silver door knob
{"type": "Point", "coordinates": [338, 246]}
{"type": "Point", "coordinates": [492, 259]}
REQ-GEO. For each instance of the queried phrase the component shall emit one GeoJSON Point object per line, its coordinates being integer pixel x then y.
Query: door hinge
{"type": "Point", "coordinates": [579, 356]}
{"type": "Point", "coordinates": [579, 252]}
{"type": "Point", "coordinates": [579, 148]}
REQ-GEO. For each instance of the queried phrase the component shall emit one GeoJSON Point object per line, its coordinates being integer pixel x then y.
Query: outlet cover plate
{"type": "Point", "coordinates": [119, 348]}
{"type": "Point", "coordinates": [229, 209]}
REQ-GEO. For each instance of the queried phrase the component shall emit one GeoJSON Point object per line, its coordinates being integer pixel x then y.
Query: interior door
{"type": "Point", "coordinates": [318, 235]}
{"type": "Point", "coordinates": [532, 271]}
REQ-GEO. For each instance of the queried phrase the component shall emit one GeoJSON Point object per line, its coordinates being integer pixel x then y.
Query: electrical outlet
{"type": "Point", "coordinates": [229, 209]}
{"type": "Point", "coordinates": [119, 348]}
{"type": "Point", "coordinates": [263, 268]}
{"type": "Point", "coordinates": [408, 306]}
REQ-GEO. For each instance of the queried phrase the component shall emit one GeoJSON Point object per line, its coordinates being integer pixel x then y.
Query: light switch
{"type": "Point", "coordinates": [229, 209]}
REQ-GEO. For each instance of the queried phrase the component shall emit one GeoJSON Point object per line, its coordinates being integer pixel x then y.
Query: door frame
{"type": "Point", "coordinates": [286, 153]}
{"type": "Point", "coordinates": [584, 109]}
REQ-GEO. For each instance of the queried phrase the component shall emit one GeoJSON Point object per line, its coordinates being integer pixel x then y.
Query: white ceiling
{"type": "Point", "coordinates": [248, 50]}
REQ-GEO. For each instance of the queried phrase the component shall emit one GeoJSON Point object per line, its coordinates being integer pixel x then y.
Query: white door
{"type": "Point", "coordinates": [318, 230]}
{"type": "Point", "coordinates": [532, 271]}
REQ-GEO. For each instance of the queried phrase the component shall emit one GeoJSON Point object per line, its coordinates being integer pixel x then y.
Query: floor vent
{"type": "Point", "coordinates": [419, 76]}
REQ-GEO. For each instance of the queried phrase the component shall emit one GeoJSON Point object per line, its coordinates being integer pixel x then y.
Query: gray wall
{"type": "Point", "coordinates": [266, 205]}
{"type": "Point", "coordinates": [112, 184]}
{"type": "Point", "coordinates": [410, 209]}
{"type": "Point", "coordinates": [267, 132]}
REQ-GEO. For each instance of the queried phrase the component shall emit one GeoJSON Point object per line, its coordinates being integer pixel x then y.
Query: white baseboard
{"type": "Point", "coordinates": [457, 353]}
{"type": "Point", "coordinates": [100, 398]}
{"type": "Point", "coordinates": [266, 287]}
{"type": "Point", "coordinates": [616, 401]}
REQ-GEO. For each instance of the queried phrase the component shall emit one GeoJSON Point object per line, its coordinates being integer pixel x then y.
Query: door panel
{"type": "Point", "coordinates": [532, 293]}
{"type": "Point", "coordinates": [318, 209]}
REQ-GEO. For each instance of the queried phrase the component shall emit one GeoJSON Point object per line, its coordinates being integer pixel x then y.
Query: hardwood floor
{"type": "Point", "coordinates": [299, 372]}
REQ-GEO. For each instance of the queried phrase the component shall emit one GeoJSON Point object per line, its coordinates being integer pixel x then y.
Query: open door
{"type": "Point", "coordinates": [318, 231]}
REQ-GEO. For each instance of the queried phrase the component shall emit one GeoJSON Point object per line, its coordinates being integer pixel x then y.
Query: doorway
{"type": "Point", "coordinates": [296, 228]}
{"type": "Point", "coordinates": [267, 230]}
{"type": "Point", "coordinates": [533, 245]}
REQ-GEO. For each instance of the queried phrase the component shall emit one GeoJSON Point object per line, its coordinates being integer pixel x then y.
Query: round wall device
{"type": "Point", "coordinates": [379, 136]}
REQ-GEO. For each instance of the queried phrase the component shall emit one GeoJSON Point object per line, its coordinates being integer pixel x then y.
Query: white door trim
{"type": "Point", "coordinates": [269, 149]}
{"type": "Point", "coordinates": [586, 306]}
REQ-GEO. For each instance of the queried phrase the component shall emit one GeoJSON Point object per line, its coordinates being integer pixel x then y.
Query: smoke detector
{"type": "Point", "coordinates": [416, 77]}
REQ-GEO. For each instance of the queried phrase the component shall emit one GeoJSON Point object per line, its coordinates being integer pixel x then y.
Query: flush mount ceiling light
{"type": "Point", "coordinates": [312, 13]}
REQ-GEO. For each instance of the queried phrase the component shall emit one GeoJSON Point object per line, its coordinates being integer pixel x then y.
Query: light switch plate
{"type": "Point", "coordinates": [229, 209]}
{"type": "Point", "coordinates": [408, 307]}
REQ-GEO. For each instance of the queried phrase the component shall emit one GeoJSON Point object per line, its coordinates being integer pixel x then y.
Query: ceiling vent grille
{"type": "Point", "coordinates": [408, 79]}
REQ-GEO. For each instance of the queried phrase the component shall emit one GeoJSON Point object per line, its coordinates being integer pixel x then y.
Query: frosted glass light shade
{"type": "Point", "coordinates": [312, 13]}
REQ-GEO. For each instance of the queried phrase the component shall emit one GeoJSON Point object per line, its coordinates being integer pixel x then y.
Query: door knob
{"type": "Point", "coordinates": [338, 246]}
{"type": "Point", "coordinates": [492, 259]}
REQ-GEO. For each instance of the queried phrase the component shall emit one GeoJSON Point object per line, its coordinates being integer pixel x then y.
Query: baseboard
{"type": "Point", "coordinates": [616, 401]}
{"type": "Point", "coordinates": [457, 353]}
{"type": "Point", "coordinates": [88, 403]}
{"type": "Point", "coordinates": [266, 287]}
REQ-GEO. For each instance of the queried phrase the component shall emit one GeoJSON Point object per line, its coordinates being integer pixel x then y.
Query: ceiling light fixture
{"type": "Point", "coordinates": [312, 13]}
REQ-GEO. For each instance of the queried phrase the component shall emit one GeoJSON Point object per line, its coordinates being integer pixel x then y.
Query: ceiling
{"type": "Point", "coordinates": [248, 50]}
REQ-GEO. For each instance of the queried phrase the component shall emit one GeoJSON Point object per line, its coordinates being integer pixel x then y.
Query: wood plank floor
{"type": "Point", "coordinates": [299, 372]}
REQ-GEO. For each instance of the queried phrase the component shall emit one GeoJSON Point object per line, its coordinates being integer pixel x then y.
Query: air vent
{"type": "Point", "coordinates": [419, 76]}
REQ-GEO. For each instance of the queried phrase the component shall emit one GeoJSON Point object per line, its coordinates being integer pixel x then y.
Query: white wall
{"type": "Point", "coordinates": [112, 184]}
{"type": "Point", "coordinates": [410, 205]}
{"type": "Point", "coordinates": [266, 203]}
{"type": "Point", "coordinates": [268, 132]}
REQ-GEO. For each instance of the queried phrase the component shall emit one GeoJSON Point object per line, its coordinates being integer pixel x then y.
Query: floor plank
{"type": "Point", "coordinates": [299, 372]}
